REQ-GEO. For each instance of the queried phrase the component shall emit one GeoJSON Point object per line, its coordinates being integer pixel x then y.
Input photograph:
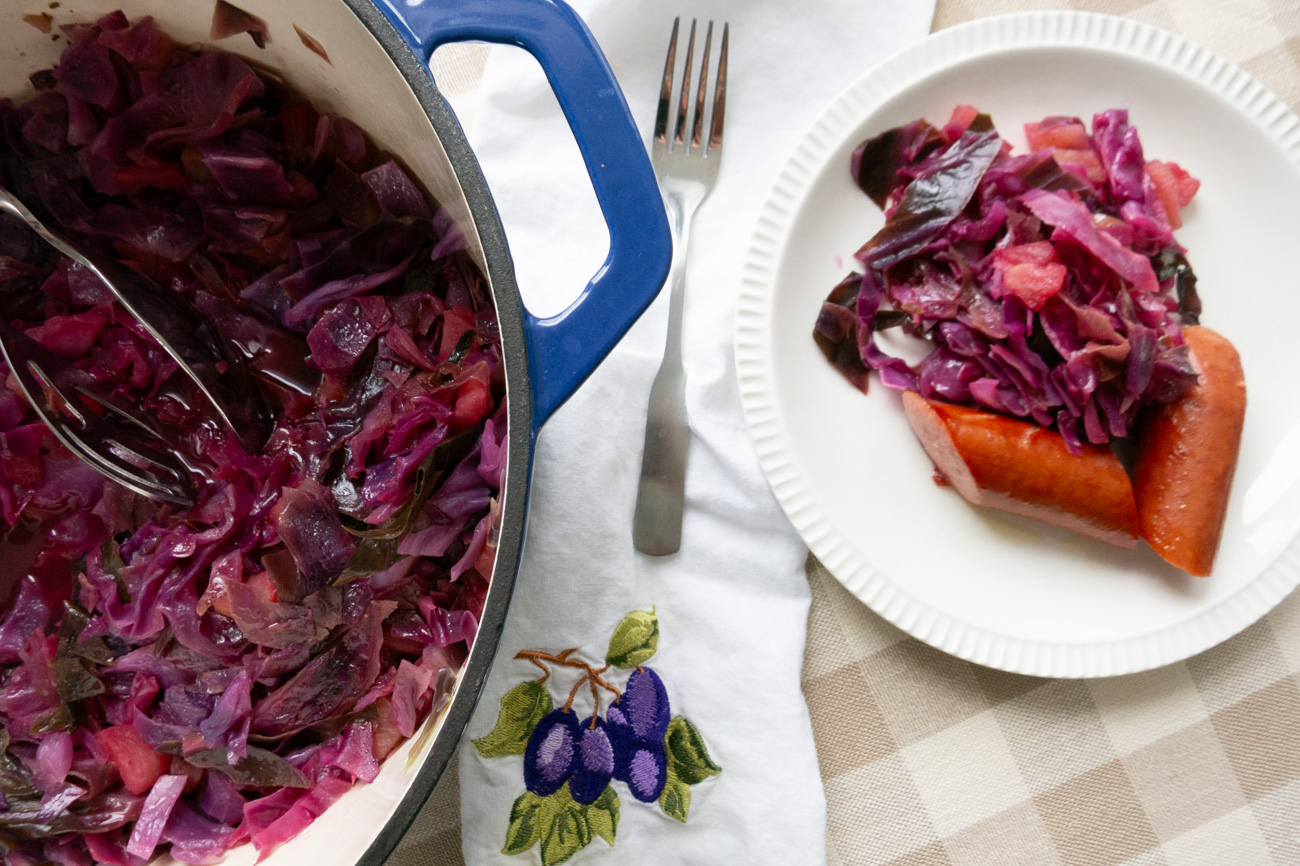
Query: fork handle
{"type": "Point", "coordinates": [661, 490]}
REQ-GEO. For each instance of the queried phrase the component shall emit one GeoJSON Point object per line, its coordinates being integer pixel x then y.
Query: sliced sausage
{"type": "Point", "coordinates": [1187, 454]}
{"type": "Point", "coordinates": [1019, 467]}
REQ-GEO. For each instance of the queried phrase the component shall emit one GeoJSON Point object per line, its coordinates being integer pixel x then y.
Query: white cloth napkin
{"type": "Point", "coordinates": [732, 605]}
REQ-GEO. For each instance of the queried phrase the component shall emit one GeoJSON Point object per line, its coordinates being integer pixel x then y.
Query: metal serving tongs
{"type": "Point", "coordinates": [92, 423]}
{"type": "Point", "coordinates": [180, 328]}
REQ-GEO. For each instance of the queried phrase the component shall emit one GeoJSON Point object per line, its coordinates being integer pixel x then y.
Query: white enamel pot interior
{"type": "Point", "coordinates": [398, 108]}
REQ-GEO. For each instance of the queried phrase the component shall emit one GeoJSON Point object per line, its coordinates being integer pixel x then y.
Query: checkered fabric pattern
{"type": "Point", "coordinates": [933, 761]}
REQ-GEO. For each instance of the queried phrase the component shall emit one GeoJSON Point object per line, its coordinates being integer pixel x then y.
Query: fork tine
{"type": "Point", "coordinates": [679, 136]}
{"type": "Point", "coordinates": [698, 125]}
{"type": "Point", "coordinates": [133, 449]}
{"type": "Point", "coordinates": [121, 470]}
{"type": "Point", "coordinates": [58, 381]}
{"type": "Point", "coordinates": [123, 453]}
{"type": "Point", "coordinates": [666, 89]}
{"type": "Point", "coordinates": [52, 388]}
{"type": "Point", "coordinates": [719, 94]}
{"type": "Point", "coordinates": [119, 413]}
{"type": "Point", "coordinates": [54, 398]}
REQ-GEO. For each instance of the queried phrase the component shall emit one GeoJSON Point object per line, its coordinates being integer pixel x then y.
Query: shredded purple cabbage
{"type": "Point", "coordinates": [1049, 283]}
{"type": "Point", "coordinates": [190, 679]}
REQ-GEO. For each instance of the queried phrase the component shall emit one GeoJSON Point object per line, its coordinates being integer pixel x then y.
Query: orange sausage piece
{"type": "Point", "coordinates": [1019, 467]}
{"type": "Point", "coordinates": [1186, 457]}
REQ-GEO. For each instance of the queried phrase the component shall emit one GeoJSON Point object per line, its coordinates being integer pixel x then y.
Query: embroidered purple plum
{"type": "Point", "coordinates": [571, 762]}
{"type": "Point", "coordinates": [638, 721]}
{"type": "Point", "coordinates": [645, 704]}
{"type": "Point", "coordinates": [548, 759]}
{"type": "Point", "coordinates": [621, 739]}
{"type": "Point", "coordinates": [647, 770]}
{"type": "Point", "coordinates": [593, 761]}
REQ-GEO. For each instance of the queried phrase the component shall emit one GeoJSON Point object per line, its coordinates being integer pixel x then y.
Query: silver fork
{"type": "Point", "coordinates": [686, 169]}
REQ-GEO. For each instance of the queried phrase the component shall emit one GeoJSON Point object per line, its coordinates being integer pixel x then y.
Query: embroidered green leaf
{"type": "Point", "coordinates": [602, 815]}
{"type": "Point", "coordinates": [676, 797]}
{"type": "Point", "coordinates": [635, 640]}
{"type": "Point", "coordinates": [521, 709]}
{"type": "Point", "coordinates": [524, 830]}
{"type": "Point", "coordinates": [687, 753]}
{"type": "Point", "coordinates": [567, 832]}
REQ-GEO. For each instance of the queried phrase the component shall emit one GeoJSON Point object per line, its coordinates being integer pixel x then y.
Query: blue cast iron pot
{"type": "Point", "coordinates": [377, 75]}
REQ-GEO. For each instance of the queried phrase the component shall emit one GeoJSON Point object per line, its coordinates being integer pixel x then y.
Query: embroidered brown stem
{"type": "Point", "coordinates": [600, 681]}
{"type": "Point", "coordinates": [561, 659]}
{"type": "Point", "coordinates": [546, 675]}
{"type": "Point", "coordinates": [591, 675]}
{"type": "Point", "coordinates": [573, 693]}
{"type": "Point", "coordinates": [536, 657]}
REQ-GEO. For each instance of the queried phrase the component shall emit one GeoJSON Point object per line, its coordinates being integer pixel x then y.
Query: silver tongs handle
{"type": "Point", "coordinates": [179, 327]}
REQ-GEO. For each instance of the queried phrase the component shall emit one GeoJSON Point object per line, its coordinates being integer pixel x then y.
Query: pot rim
{"type": "Point", "coordinates": [519, 409]}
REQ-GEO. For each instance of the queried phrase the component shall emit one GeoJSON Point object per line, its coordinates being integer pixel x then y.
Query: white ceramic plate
{"type": "Point", "coordinates": [995, 589]}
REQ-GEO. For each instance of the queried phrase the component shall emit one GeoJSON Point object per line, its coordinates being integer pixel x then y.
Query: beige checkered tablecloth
{"type": "Point", "coordinates": [931, 760]}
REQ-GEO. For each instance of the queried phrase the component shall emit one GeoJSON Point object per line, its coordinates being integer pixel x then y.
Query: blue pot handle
{"type": "Point", "coordinates": [565, 348]}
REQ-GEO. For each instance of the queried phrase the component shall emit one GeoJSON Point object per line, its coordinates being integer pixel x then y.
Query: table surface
{"type": "Point", "coordinates": [931, 760]}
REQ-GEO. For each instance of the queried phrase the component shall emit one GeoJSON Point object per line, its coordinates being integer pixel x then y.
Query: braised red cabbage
{"type": "Point", "coordinates": [1049, 283]}
{"type": "Point", "coordinates": [188, 679]}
